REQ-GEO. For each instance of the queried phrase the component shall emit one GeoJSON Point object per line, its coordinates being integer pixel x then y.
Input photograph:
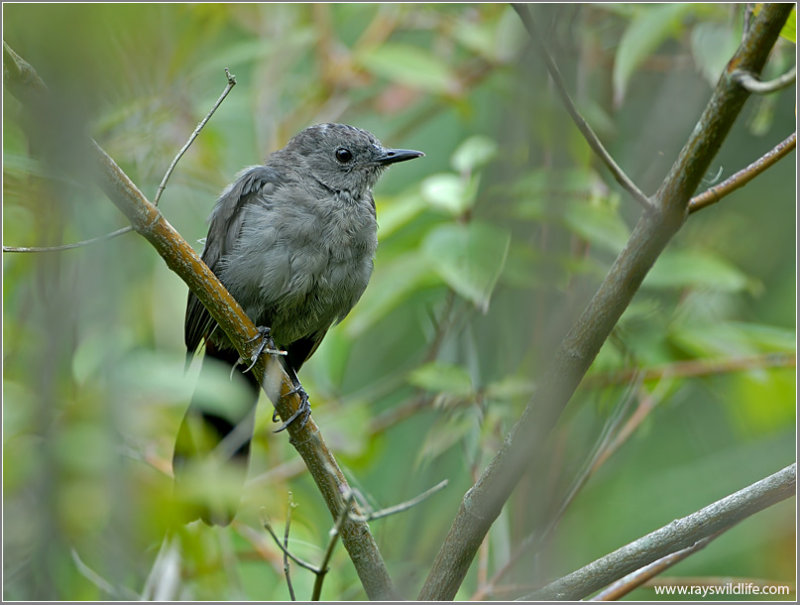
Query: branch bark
{"type": "Point", "coordinates": [23, 81]}
{"type": "Point", "coordinates": [744, 176]}
{"type": "Point", "coordinates": [483, 502]}
{"type": "Point", "coordinates": [677, 535]}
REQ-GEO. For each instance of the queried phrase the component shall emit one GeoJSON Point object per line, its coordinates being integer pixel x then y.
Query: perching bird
{"type": "Point", "coordinates": [293, 241]}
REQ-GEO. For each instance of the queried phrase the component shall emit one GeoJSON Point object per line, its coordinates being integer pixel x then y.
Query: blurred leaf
{"type": "Point", "coordinates": [409, 65]}
{"type": "Point", "coordinates": [441, 377]}
{"type": "Point", "coordinates": [653, 25]}
{"type": "Point", "coordinates": [469, 258]}
{"type": "Point", "coordinates": [389, 285]}
{"type": "Point", "coordinates": [695, 268]}
{"type": "Point", "coordinates": [473, 153]}
{"type": "Point", "coordinates": [395, 212]}
{"type": "Point", "coordinates": [713, 45]}
{"type": "Point", "coordinates": [729, 339]}
{"type": "Point", "coordinates": [599, 224]}
{"type": "Point", "coordinates": [509, 388]}
{"type": "Point", "coordinates": [449, 192]}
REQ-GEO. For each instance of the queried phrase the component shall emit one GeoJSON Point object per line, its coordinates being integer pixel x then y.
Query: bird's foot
{"type": "Point", "coordinates": [266, 344]}
{"type": "Point", "coordinates": [303, 412]}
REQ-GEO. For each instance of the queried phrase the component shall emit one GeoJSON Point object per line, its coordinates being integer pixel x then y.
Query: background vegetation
{"type": "Point", "coordinates": [488, 249]}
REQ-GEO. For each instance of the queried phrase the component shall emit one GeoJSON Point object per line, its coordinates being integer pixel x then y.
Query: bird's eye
{"type": "Point", "coordinates": [343, 155]}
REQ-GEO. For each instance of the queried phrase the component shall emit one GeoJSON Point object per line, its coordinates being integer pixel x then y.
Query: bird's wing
{"type": "Point", "coordinates": [225, 225]}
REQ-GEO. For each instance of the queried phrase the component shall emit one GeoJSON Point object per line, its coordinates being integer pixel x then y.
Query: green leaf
{"type": "Point", "coordinates": [390, 284]}
{"type": "Point", "coordinates": [449, 192]}
{"type": "Point", "coordinates": [476, 151]}
{"type": "Point", "coordinates": [469, 258]}
{"type": "Point", "coordinates": [410, 66]}
{"type": "Point", "coordinates": [442, 378]}
{"type": "Point", "coordinates": [695, 268]}
{"type": "Point", "coordinates": [713, 45]}
{"type": "Point", "coordinates": [395, 212]}
{"type": "Point", "coordinates": [599, 224]}
{"type": "Point", "coordinates": [647, 31]}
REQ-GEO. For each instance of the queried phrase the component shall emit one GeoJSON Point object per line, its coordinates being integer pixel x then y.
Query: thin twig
{"type": "Point", "coordinates": [597, 456]}
{"type": "Point", "coordinates": [632, 581]}
{"type": "Point", "coordinates": [680, 533]}
{"type": "Point", "coordinates": [692, 368]}
{"type": "Point", "coordinates": [403, 506]}
{"type": "Point", "coordinates": [231, 83]}
{"type": "Point", "coordinates": [744, 176]}
{"type": "Point", "coordinates": [63, 247]}
{"type": "Point", "coordinates": [286, 570]}
{"type": "Point", "coordinates": [580, 122]}
{"type": "Point", "coordinates": [756, 86]}
{"type": "Point", "coordinates": [161, 187]}
{"type": "Point", "coordinates": [334, 535]}
{"type": "Point", "coordinates": [304, 564]}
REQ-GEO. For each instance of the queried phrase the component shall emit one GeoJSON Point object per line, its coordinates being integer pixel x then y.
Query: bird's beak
{"type": "Point", "coordinates": [391, 156]}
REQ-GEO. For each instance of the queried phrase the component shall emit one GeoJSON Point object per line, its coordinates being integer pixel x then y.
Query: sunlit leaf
{"type": "Point", "coordinates": [469, 258]}
{"type": "Point", "coordinates": [449, 192]}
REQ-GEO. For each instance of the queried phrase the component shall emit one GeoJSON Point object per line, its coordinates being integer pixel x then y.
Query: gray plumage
{"type": "Point", "coordinates": [293, 241]}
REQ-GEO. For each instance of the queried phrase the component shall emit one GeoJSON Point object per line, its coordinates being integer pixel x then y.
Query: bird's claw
{"type": "Point", "coordinates": [266, 344]}
{"type": "Point", "coordinates": [302, 413]}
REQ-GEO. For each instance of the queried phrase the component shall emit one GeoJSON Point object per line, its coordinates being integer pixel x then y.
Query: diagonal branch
{"type": "Point", "coordinates": [744, 176]}
{"type": "Point", "coordinates": [147, 220]}
{"type": "Point", "coordinates": [483, 502]}
{"type": "Point", "coordinates": [679, 534]}
{"type": "Point", "coordinates": [591, 138]}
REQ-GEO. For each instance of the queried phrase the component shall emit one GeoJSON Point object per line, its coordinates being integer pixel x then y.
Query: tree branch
{"type": "Point", "coordinates": [756, 86]}
{"type": "Point", "coordinates": [591, 138]}
{"type": "Point", "coordinates": [632, 581]}
{"type": "Point", "coordinates": [744, 176]}
{"type": "Point", "coordinates": [679, 534]}
{"type": "Point", "coordinates": [484, 501]}
{"type": "Point", "coordinates": [148, 221]}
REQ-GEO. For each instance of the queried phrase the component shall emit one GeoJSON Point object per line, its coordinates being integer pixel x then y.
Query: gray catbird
{"type": "Point", "coordinates": [293, 241]}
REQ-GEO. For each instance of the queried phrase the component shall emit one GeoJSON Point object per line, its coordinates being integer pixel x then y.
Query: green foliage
{"type": "Point", "coordinates": [489, 249]}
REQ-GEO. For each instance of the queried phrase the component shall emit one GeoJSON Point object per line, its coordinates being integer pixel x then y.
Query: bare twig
{"type": "Point", "coordinates": [286, 570]}
{"type": "Point", "coordinates": [756, 86]}
{"type": "Point", "coordinates": [161, 187]}
{"type": "Point", "coordinates": [679, 534]}
{"type": "Point", "coordinates": [231, 83]}
{"type": "Point", "coordinates": [591, 138]}
{"type": "Point", "coordinates": [334, 536]}
{"type": "Point", "coordinates": [632, 581]}
{"type": "Point", "coordinates": [180, 257]}
{"type": "Point", "coordinates": [569, 362]}
{"type": "Point", "coordinates": [692, 368]}
{"type": "Point", "coordinates": [403, 506]}
{"type": "Point", "coordinates": [304, 564]}
{"type": "Point", "coordinates": [62, 247]}
{"type": "Point", "coordinates": [744, 176]}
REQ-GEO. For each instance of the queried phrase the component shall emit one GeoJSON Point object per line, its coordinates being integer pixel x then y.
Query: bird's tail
{"type": "Point", "coordinates": [212, 449]}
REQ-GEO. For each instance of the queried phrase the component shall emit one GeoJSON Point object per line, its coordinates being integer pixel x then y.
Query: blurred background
{"type": "Point", "coordinates": [489, 247]}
